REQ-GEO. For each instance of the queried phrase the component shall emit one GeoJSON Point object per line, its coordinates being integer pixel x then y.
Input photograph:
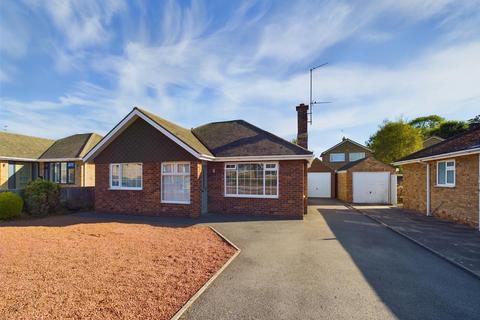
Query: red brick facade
{"type": "Point", "coordinates": [458, 203]}
{"type": "Point", "coordinates": [290, 203]}
{"type": "Point", "coordinates": [146, 201]}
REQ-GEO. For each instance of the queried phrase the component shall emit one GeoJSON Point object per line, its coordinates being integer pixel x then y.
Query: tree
{"type": "Point", "coordinates": [427, 123]}
{"type": "Point", "coordinates": [394, 140]}
{"type": "Point", "coordinates": [450, 128]}
{"type": "Point", "coordinates": [474, 122]}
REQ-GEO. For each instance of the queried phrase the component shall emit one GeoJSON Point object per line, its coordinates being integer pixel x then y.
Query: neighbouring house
{"type": "Point", "coordinates": [367, 180]}
{"type": "Point", "coordinates": [344, 152]}
{"type": "Point", "coordinates": [25, 158]}
{"type": "Point", "coordinates": [430, 141]}
{"type": "Point", "coordinates": [321, 180]}
{"type": "Point", "coordinates": [148, 165]}
{"type": "Point", "coordinates": [443, 180]}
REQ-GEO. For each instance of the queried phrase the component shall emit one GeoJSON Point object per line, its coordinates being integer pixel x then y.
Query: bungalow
{"type": "Point", "coordinates": [444, 179]}
{"type": "Point", "coordinates": [148, 165]}
{"type": "Point", "coordinates": [25, 158]}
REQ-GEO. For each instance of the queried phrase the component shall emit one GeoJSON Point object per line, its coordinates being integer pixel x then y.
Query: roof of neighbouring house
{"type": "Point", "coordinates": [357, 162]}
{"type": "Point", "coordinates": [185, 135]}
{"type": "Point", "coordinates": [430, 141]}
{"type": "Point", "coordinates": [465, 141]}
{"type": "Point", "coordinates": [346, 140]}
{"type": "Point", "coordinates": [319, 166]}
{"type": "Point", "coordinates": [351, 164]}
{"type": "Point", "coordinates": [238, 138]}
{"type": "Point", "coordinates": [75, 146]}
{"type": "Point", "coordinates": [21, 146]}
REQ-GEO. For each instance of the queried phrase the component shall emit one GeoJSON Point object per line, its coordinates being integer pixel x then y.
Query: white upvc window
{"type": "Point", "coordinates": [446, 173]}
{"type": "Point", "coordinates": [126, 176]}
{"type": "Point", "coordinates": [354, 156]}
{"type": "Point", "coordinates": [175, 186]}
{"type": "Point", "coordinates": [337, 157]}
{"type": "Point", "coordinates": [251, 180]}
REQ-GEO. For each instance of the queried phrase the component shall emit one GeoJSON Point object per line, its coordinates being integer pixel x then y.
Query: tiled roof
{"type": "Point", "coordinates": [22, 146]}
{"type": "Point", "coordinates": [183, 134]}
{"type": "Point", "coordinates": [74, 146]}
{"type": "Point", "coordinates": [240, 138]}
{"type": "Point", "coordinates": [461, 142]}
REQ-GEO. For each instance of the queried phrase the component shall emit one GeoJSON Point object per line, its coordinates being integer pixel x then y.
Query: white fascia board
{"type": "Point", "coordinates": [18, 159]}
{"type": "Point", "coordinates": [439, 156]}
{"type": "Point", "coordinates": [127, 121]}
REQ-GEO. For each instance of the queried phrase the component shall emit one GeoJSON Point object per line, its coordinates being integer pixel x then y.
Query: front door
{"type": "Point", "coordinates": [204, 187]}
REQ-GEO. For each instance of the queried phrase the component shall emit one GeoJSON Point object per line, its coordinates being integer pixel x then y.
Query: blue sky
{"type": "Point", "coordinates": [79, 66]}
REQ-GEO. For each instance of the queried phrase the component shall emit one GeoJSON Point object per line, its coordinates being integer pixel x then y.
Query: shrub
{"type": "Point", "coordinates": [10, 205]}
{"type": "Point", "coordinates": [42, 197]}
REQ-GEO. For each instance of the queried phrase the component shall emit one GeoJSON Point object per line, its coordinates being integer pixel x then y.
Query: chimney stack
{"type": "Point", "coordinates": [302, 119]}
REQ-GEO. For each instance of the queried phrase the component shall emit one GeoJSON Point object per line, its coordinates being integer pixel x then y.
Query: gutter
{"type": "Point", "coordinates": [478, 192]}
{"type": "Point", "coordinates": [40, 160]}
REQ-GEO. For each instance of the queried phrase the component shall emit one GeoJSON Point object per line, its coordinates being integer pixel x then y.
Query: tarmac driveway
{"type": "Point", "coordinates": [335, 264]}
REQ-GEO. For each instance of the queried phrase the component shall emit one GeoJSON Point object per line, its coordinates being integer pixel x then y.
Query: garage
{"type": "Point", "coordinates": [371, 187]}
{"type": "Point", "coordinates": [320, 180]}
{"type": "Point", "coordinates": [367, 180]}
{"type": "Point", "coordinates": [319, 184]}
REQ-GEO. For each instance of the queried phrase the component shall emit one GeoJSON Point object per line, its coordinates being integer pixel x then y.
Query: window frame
{"type": "Point", "coordinates": [360, 152]}
{"type": "Point", "coordinates": [258, 196]}
{"type": "Point", "coordinates": [120, 187]}
{"type": "Point", "coordinates": [175, 173]}
{"type": "Point", "coordinates": [447, 184]}
{"type": "Point", "coordinates": [331, 154]}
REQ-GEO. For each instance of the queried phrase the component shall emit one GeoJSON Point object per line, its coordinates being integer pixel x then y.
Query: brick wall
{"type": "Point", "coordinates": [146, 201]}
{"type": "Point", "coordinates": [292, 193]}
{"type": "Point", "coordinates": [345, 148]}
{"type": "Point", "coordinates": [459, 203]}
{"type": "Point", "coordinates": [342, 185]}
{"type": "Point", "coordinates": [414, 187]}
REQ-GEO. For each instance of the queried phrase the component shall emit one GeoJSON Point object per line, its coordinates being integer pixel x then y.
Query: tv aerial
{"type": "Point", "coordinates": [312, 103]}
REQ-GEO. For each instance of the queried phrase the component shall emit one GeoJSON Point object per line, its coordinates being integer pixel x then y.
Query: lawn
{"type": "Point", "coordinates": [101, 270]}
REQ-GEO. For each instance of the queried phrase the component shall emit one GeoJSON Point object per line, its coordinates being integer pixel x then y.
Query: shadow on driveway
{"type": "Point", "coordinates": [411, 281]}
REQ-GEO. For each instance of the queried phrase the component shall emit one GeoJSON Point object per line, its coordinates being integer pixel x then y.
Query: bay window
{"type": "Point", "coordinates": [126, 176]}
{"type": "Point", "coordinates": [251, 180]}
{"type": "Point", "coordinates": [446, 173]}
{"type": "Point", "coordinates": [176, 182]}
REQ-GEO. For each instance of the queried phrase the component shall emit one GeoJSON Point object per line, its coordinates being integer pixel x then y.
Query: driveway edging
{"type": "Point", "coordinates": [197, 294]}
{"type": "Point", "coordinates": [439, 254]}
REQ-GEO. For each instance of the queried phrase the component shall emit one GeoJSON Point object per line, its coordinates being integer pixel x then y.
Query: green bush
{"type": "Point", "coordinates": [10, 205]}
{"type": "Point", "coordinates": [42, 197]}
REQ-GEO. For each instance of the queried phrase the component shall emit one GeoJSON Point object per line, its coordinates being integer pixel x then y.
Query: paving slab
{"type": "Point", "coordinates": [455, 242]}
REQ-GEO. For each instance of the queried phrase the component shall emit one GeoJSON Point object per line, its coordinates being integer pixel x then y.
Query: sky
{"type": "Point", "coordinates": [71, 67]}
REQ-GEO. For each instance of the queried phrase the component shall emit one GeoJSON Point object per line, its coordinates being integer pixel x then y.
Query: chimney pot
{"type": "Point", "coordinates": [302, 126]}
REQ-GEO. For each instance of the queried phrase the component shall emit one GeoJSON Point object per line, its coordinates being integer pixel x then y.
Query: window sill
{"type": "Point", "coordinates": [445, 186]}
{"type": "Point", "coordinates": [130, 189]}
{"type": "Point", "coordinates": [249, 196]}
{"type": "Point", "coordinates": [175, 202]}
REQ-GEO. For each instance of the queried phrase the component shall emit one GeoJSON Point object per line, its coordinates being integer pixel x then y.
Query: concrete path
{"type": "Point", "coordinates": [335, 264]}
{"type": "Point", "coordinates": [456, 242]}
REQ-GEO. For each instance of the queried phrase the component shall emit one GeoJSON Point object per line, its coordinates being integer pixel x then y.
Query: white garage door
{"type": "Point", "coordinates": [319, 184]}
{"type": "Point", "coordinates": [371, 187]}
